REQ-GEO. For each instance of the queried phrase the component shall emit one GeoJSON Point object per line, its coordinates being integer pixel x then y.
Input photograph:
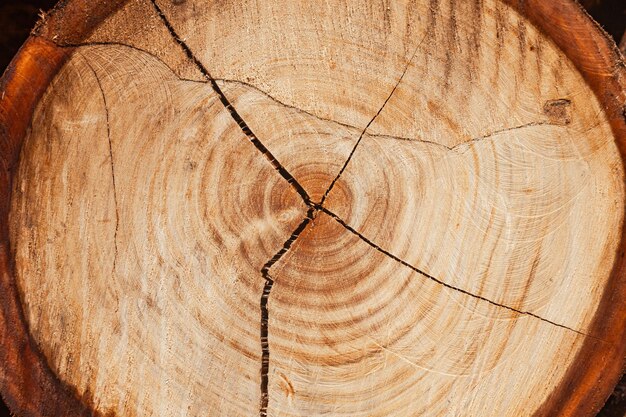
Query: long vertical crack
{"type": "Point", "coordinates": [245, 128]}
{"type": "Point", "coordinates": [267, 289]}
{"type": "Point", "coordinates": [108, 125]}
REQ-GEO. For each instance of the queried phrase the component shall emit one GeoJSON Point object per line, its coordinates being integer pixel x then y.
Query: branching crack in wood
{"type": "Point", "coordinates": [108, 125]}
{"type": "Point", "coordinates": [313, 208]}
{"type": "Point", "coordinates": [269, 282]}
{"type": "Point", "coordinates": [231, 109]}
{"type": "Point", "coordinates": [384, 136]}
{"type": "Point", "coordinates": [267, 288]}
{"type": "Point", "coordinates": [442, 283]}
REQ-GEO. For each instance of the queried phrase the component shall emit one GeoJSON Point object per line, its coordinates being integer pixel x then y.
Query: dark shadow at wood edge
{"type": "Point", "coordinates": [598, 366]}
{"type": "Point", "coordinates": [27, 383]}
{"type": "Point", "coordinates": [26, 380]}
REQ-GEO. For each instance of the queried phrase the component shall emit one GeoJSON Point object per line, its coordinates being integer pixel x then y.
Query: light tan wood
{"type": "Point", "coordinates": [405, 208]}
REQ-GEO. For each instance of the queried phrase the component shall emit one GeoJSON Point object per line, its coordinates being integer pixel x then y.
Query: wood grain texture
{"type": "Point", "coordinates": [27, 383]}
{"type": "Point", "coordinates": [400, 208]}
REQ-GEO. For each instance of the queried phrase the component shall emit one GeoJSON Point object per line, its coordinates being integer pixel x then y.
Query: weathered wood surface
{"type": "Point", "coordinates": [306, 208]}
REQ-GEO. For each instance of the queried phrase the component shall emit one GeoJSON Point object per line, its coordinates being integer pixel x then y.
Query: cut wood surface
{"type": "Point", "coordinates": [342, 208]}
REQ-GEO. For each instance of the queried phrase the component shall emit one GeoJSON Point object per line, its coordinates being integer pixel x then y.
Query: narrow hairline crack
{"type": "Point", "coordinates": [356, 145]}
{"type": "Point", "coordinates": [245, 128]}
{"type": "Point", "coordinates": [108, 125]}
{"type": "Point", "coordinates": [468, 142]}
{"type": "Point", "coordinates": [349, 228]}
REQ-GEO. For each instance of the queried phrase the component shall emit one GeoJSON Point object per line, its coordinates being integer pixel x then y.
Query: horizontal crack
{"type": "Point", "coordinates": [231, 109]}
{"type": "Point", "coordinates": [392, 137]}
{"type": "Point", "coordinates": [469, 141]}
{"type": "Point", "coordinates": [321, 118]}
{"type": "Point", "coordinates": [442, 283]}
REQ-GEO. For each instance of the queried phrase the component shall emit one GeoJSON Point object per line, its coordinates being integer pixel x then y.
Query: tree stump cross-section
{"type": "Point", "coordinates": [313, 208]}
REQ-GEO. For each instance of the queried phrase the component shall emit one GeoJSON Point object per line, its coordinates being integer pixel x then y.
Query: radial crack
{"type": "Point", "coordinates": [356, 145]}
{"type": "Point", "coordinates": [469, 141]}
{"type": "Point", "coordinates": [265, 346]}
{"type": "Point", "coordinates": [232, 111]}
{"type": "Point", "coordinates": [267, 289]}
{"type": "Point", "coordinates": [440, 282]}
{"type": "Point", "coordinates": [106, 112]}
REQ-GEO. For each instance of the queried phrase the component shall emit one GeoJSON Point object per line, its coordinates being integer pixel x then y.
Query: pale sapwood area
{"type": "Point", "coordinates": [315, 208]}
